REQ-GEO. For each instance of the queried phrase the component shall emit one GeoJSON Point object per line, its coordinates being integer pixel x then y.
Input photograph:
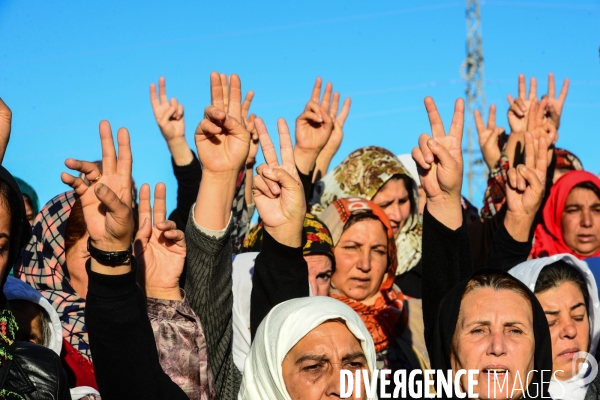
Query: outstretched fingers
{"type": "Point", "coordinates": [235, 97]}
{"type": "Point", "coordinates": [109, 155]}
{"type": "Point", "coordinates": [76, 183]}
{"type": "Point", "coordinates": [246, 104]}
{"type": "Point", "coordinates": [435, 121]}
{"type": "Point", "coordinates": [216, 91]}
{"type": "Point", "coordinates": [266, 144]}
{"type": "Point", "coordinates": [458, 120]}
{"type": "Point", "coordinates": [286, 148]}
{"type": "Point", "coordinates": [316, 92]}
{"type": "Point", "coordinates": [160, 203]}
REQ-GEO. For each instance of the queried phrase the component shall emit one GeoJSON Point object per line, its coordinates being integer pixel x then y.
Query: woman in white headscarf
{"type": "Point", "coordinates": [567, 291]}
{"type": "Point", "coordinates": [308, 337]}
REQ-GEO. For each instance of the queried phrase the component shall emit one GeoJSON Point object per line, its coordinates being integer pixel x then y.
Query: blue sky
{"type": "Point", "coordinates": [65, 66]}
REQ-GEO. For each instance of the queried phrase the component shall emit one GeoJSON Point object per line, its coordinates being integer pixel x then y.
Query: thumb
{"type": "Point", "coordinates": [111, 201]}
{"type": "Point", "coordinates": [282, 177]}
{"type": "Point", "coordinates": [442, 154]}
{"type": "Point", "coordinates": [532, 179]}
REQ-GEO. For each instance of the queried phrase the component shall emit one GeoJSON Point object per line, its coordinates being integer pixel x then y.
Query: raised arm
{"type": "Point", "coordinates": [280, 271]}
{"type": "Point", "coordinates": [223, 143]}
{"type": "Point", "coordinates": [5, 124]}
{"type": "Point", "coordinates": [121, 339]}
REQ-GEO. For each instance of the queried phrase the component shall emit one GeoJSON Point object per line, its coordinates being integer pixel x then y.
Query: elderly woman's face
{"type": "Point", "coordinates": [581, 222]}
{"type": "Point", "coordinates": [567, 316]}
{"type": "Point", "coordinates": [311, 369]}
{"type": "Point", "coordinates": [361, 260]}
{"type": "Point", "coordinates": [319, 273]}
{"type": "Point", "coordinates": [393, 198]}
{"type": "Point", "coordinates": [494, 332]}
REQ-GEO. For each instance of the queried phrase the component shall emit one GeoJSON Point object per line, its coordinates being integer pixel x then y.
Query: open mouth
{"type": "Point", "coordinates": [496, 371]}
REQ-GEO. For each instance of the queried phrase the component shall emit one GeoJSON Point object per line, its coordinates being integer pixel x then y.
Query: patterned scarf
{"type": "Point", "coordinates": [381, 318]}
{"type": "Point", "coordinates": [362, 174]}
{"type": "Point", "coordinates": [42, 264]}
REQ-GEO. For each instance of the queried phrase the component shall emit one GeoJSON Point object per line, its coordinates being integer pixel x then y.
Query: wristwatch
{"type": "Point", "coordinates": [112, 258]}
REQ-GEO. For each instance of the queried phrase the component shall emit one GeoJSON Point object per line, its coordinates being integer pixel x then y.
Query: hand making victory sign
{"type": "Point", "coordinates": [488, 137]}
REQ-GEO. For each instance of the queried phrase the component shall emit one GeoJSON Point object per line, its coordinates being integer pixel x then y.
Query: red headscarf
{"type": "Point", "coordinates": [382, 317]}
{"type": "Point", "coordinates": [548, 235]}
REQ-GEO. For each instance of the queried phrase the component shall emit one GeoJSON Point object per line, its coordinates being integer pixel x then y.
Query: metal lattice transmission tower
{"type": "Point", "coordinates": [472, 73]}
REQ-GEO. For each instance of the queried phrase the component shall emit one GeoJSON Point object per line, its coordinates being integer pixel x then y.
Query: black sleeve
{"type": "Point", "coordinates": [446, 261]}
{"type": "Point", "coordinates": [307, 184]}
{"type": "Point", "coordinates": [506, 252]}
{"type": "Point", "coordinates": [280, 274]}
{"type": "Point", "coordinates": [122, 342]}
{"type": "Point", "coordinates": [481, 236]}
{"type": "Point", "coordinates": [188, 183]}
{"type": "Point", "coordinates": [410, 282]}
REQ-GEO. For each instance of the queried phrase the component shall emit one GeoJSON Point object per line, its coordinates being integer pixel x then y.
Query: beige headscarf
{"type": "Point", "coordinates": [362, 174]}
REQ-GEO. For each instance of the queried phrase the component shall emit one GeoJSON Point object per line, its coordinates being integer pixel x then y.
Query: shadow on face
{"type": "Point", "coordinates": [494, 333]}
{"type": "Point", "coordinates": [394, 199]}
{"type": "Point", "coordinates": [28, 316]}
{"type": "Point", "coordinates": [581, 221]}
{"type": "Point", "coordinates": [320, 269]}
{"type": "Point", "coordinates": [569, 324]}
{"type": "Point", "coordinates": [311, 369]}
{"type": "Point", "coordinates": [361, 260]}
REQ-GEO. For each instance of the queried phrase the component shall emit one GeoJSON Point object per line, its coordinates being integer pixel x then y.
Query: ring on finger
{"type": "Point", "coordinates": [96, 179]}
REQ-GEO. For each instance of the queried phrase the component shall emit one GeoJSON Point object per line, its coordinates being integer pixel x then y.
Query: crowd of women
{"type": "Point", "coordinates": [378, 264]}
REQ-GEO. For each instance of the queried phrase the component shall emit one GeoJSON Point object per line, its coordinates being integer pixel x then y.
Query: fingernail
{"type": "Point", "coordinates": [432, 142]}
{"type": "Point", "coordinates": [268, 170]}
{"type": "Point", "coordinates": [101, 189]}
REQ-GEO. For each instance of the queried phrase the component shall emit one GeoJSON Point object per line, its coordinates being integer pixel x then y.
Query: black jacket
{"type": "Point", "coordinates": [36, 373]}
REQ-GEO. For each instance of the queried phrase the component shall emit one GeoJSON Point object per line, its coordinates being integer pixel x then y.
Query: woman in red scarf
{"type": "Point", "coordinates": [571, 218]}
{"type": "Point", "coordinates": [365, 266]}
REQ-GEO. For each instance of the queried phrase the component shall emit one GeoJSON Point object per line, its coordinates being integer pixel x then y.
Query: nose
{"type": "Point", "coordinates": [364, 262]}
{"type": "Point", "coordinates": [586, 219]}
{"type": "Point", "coordinates": [332, 390]}
{"type": "Point", "coordinates": [394, 213]}
{"type": "Point", "coordinates": [497, 345]}
{"type": "Point", "coordinates": [567, 329]}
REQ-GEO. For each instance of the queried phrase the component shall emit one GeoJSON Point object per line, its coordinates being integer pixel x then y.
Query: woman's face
{"type": "Point", "coordinates": [393, 198]}
{"type": "Point", "coordinates": [77, 255]}
{"type": "Point", "coordinates": [494, 332]}
{"type": "Point", "coordinates": [28, 210]}
{"type": "Point", "coordinates": [569, 324]}
{"type": "Point", "coordinates": [5, 219]}
{"type": "Point", "coordinates": [319, 273]}
{"type": "Point", "coordinates": [581, 222]}
{"type": "Point", "coordinates": [361, 260]}
{"type": "Point", "coordinates": [311, 369]}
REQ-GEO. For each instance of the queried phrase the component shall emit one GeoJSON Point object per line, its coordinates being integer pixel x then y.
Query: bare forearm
{"type": "Point", "coordinates": [518, 226]}
{"type": "Point", "coordinates": [305, 160]}
{"type": "Point", "coordinates": [180, 151]}
{"type": "Point", "coordinates": [215, 197]}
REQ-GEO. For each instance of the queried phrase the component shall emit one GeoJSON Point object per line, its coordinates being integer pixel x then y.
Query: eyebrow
{"type": "Point", "coordinates": [4, 235]}
{"type": "Point", "coordinates": [571, 309]}
{"type": "Point", "coordinates": [311, 357]}
{"type": "Point", "coordinates": [488, 323]}
{"type": "Point", "coordinates": [354, 356]}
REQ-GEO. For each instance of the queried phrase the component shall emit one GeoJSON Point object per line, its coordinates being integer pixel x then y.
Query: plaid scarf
{"type": "Point", "coordinates": [42, 264]}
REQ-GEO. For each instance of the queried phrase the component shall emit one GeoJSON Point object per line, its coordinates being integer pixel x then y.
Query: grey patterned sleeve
{"type": "Point", "coordinates": [208, 288]}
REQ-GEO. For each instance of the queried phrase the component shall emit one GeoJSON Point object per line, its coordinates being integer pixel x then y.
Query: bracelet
{"type": "Point", "coordinates": [111, 258]}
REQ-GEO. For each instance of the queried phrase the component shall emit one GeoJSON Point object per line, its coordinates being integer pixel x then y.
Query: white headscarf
{"type": "Point", "coordinates": [242, 271]}
{"type": "Point", "coordinates": [528, 272]}
{"type": "Point", "coordinates": [281, 329]}
{"type": "Point", "coordinates": [411, 167]}
{"type": "Point", "coordinates": [15, 289]}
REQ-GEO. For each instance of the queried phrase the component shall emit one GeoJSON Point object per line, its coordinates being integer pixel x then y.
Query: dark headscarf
{"type": "Point", "coordinates": [440, 338]}
{"type": "Point", "coordinates": [30, 193]}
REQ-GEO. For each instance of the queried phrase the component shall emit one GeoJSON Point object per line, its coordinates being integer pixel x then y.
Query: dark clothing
{"type": "Point", "coordinates": [36, 373]}
{"type": "Point", "coordinates": [447, 269]}
{"type": "Point", "coordinates": [280, 274]}
{"type": "Point", "coordinates": [307, 184]}
{"type": "Point", "coordinates": [122, 341]}
{"type": "Point", "coordinates": [188, 183]}
{"type": "Point", "coordinates": [208, 287]}
{"type": "Point", "coordinates": [410, 282]}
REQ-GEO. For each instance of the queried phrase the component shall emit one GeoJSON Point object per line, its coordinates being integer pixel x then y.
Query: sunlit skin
{"type": "Point", "coordinates": [77, 256]}
{"type": "Point", "coordinates": [29, 319]}
{"type": "Point", "coordinates": [581, 222]}
{"type": "Point", "coordinates": [28, 210]}
{"type": "Point", "coordinates": [361, 261]}
{"type": "Point", "coordinates": [311, 369]}
{"type": "Point", "coordinates": [393, 199]}
{"type": "Point", "coordinates": [494, 331]}
{"type": "Point", "coordinates": [422, 200]}
{"type": "Point", "coordinates": [320, 269]}
{"type": "Point", "coordinates": [569, 324]}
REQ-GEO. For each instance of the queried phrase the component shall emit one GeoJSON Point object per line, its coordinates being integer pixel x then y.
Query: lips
{"type": "Point", "coordinates": [569, 353]}
{"type": "Point", "coordinates": [496, 369]}
{"type": "Point", "coordinates": [586, 238]}
{"type": "Point", "coordinates": [361, 281]}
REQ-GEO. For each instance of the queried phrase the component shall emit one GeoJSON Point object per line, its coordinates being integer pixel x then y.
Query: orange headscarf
{"type": "Point", "coordinates": [382, 317]}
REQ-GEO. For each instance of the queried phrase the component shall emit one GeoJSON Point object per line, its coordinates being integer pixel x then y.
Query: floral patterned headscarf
{"type": "Point", "coordinates": [362, 174]}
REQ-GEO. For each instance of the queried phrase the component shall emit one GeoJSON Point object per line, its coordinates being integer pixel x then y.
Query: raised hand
{"type": "Point", "coordinates": [440, 164]}
{"type": "Point", "coordinates": [519, 107]}
{"type": "Point", "coordinates": [5, 124]}
{"type": "Point", "coordinates": [169, 117]}
{"type": "Point", "coordinates": [277, 189]}
{"type": "Point", "coordinates": [249, 123]}
{"type": "Point", "coordinates": [159, 247]}
{"type": "Point", "coordinates": [555, 104]}
{"type": "Point", "coordinates": [107, 201]}
{"type": "Point", "coordinates": [313, 128]}
{"type": "Point", "coordinates": [335, 139]}
{"type": "Point", "coordinates": [222, 140]}
{"type": "Point", "coordinates": [525, 188]}
{"type": "Point", "coordinates": [488, 137]}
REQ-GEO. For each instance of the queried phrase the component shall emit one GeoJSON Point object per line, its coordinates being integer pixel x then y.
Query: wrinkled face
{"type": "Point", "coordinates": [29, 318]}
{"type": "Point", "coordinates": [77, 255]}
{"type": "Point", "coordinates": [311, 369]}
{"type": "Point", "coordinates": [494, 332]}
{"type": "Point", "coordinates": [581, 222]}
{"type": "Point", "coordinates": [393, 199]}
{"type": "Point", "coordinates": [28, 210]}
{"type": "Point", "coordinates": [5, 219]}
{"type": "Point", "coordinates": [320, 269]}
{"type": "Point", "coordinates": [569, 324]}
{"type": "Point", "coordinates": [361, 260]}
